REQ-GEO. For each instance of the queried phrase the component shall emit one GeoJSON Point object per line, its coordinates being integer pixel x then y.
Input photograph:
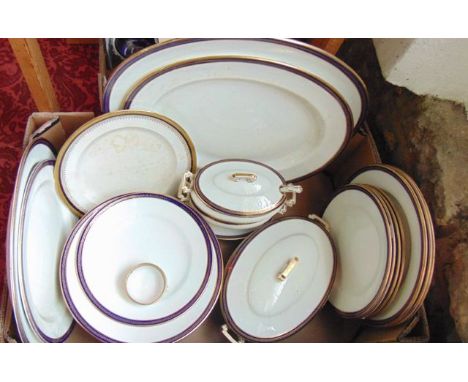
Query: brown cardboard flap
{"type": "Point", "coordinates": [7, 327]}
{"type": "Point", "coordinates": [59, 132]}
{"type": "Point", "coordinates": [420, 332]}
{"type": "Point", "coordinates": [412, 331]}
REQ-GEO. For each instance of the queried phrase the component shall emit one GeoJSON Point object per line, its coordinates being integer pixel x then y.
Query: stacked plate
{"type": "Point", "coordinates": [385, 241]}
{"type": "Point", "coordinates": [37, 228]}
{"type": "Point", "coordinates": [141, 267]}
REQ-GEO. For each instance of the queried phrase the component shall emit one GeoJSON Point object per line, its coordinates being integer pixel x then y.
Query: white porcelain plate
{"type": "Point", "coordinates": [37, 151]}
{"type": "Point", "coordinates": [359, 231]}
{"type": "Point", "coordinates": [246, 108]}
{"type": "Point", "coordinates": [303, 56]}
{"type": "Point", "coordinates": [44, 226]}
{"type": "Point", "coordinates": [109, 330]}
{"type": "Point", "coordinates": [405, 204]}
{"type": "Point", "coordinates": [138, 230]}
{"type": "Point", "coordinates": [278, 279]}
{"type": "Point", "coordinates": [123, 152]}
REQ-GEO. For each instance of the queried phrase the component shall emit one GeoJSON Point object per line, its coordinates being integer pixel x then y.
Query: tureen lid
{"type": "Point", "coordinates": [240, 187]}
{"type": "Point", "coordinates": [278, 279]}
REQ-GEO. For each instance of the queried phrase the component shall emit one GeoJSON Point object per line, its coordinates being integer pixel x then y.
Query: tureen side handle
{"type": "Point", "coordinates": [227, 334]}
{"type": "Point", "coordinates": [319, 219]}
{"type": "Point", "coordinates": [291, 189]}
{"type": "Point", "coordinates": [183, 193]}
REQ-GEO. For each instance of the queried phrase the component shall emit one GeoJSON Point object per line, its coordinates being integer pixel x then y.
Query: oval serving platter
{"type": "Point", "coordinates": [44, 225]}
{"type": "Point", "coordinates": [140, 229]}
{"type": "Point", "coordinates": [37, 151]}
{"type": "Point", "coordinates": [278, 279]}
{"type": "Point", "coordinates": [108, 330]}
{"type": "Point", "coordinates": [303, 56]}
{"type": "Point", "coordinates": [122, 152]}
{"type": "Point", "coordinates": [249, 108]}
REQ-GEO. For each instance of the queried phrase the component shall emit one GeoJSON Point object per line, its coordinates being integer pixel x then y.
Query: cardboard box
{"type": "Point", "coordinates": [327, 326]}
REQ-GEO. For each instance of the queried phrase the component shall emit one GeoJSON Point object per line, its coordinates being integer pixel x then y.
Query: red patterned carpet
{"type": "Point", "coordinates": [73, 69]}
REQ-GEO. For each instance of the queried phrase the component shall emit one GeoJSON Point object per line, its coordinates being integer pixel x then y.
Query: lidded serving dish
{"type": "Point", "coordinates": [278, 279]}
{"type": "Point", "coordinates": [238, 192]}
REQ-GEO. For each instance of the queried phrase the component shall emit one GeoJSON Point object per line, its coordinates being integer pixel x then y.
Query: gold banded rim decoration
{"type": "Point", "coordinates": [157, 333]}
{"type": "Point", "coordinates": [292, 45]}
{"type": "Point", "coordinates": [390, 254]}
{"type": "Point", "coordinates": [417, 299]}
{"type": "Point", "coordinates": [399, 266]}
{"type": "Point", "coordinates": [240, 254]}
{"type": "Point", "coordinates": [75, 136]}
{"type": "Point", "coordinates": [331, 152]}
{"type": "Point", "coordinates": [36, 151]}
{"type": "Point", "coordinates": [259, 212]}
{"type": "Point", "coordinates": [429, 271]}
{"type": "Point", "coordinates": [46, 314]}
{"type": "Point", "coordinates": [419, 275]}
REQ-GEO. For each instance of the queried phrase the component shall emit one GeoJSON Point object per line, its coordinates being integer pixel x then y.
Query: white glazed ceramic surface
{"type": "Point", "coordinates": [234, 231]}
{"type": "Point", "coordinates": [139, 230]}
{"type": "Point", "coordinates": [405, 206]}
{"type": "Point", "coordinates": [122, 154]}
{"type": "Point", "coordinates": [312, 60]}
{"type": "Point", "coordinates": [36, 152]}
{"type": "Point", "coordinates": [259, 303]}
{"type": "Point", "coordinates": [145, 283]}
{"type": "Point", "coordinates": [45, 225]}
{"type": "Point", "coordinates": [240, 186]}
{"type": "Point", "coordinates": [359, 232]}
{"type": "Point", "coordinates": [109, 330]}
{"type": "Point", "coordinates": [250, 109]}
{"type": "Point", "coordinates": [220, 216]}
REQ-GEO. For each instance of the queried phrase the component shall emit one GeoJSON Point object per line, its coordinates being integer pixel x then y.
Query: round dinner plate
{"type": "Point", "coordinates": [411, 309]}
{"type": "Point", "coordinates": [144, 229]}
{"type": "Point", "coordinates": [37, 151]}
{"type": "Point", "coordinates": [400, 249]}
{"type": "Point", "coordinates": [231, 106]}
{"type": "Point", "coordinates": [107, 329]}
{"type": "Point", "coordinates": [122, 152]}
{"type": "Point", "coordinates": [406, 205]}
{"type": "Point", "coordinates": [325, 66]}
{"type": "Point", "coordinates": [278, 279]}
{"type": "Point", "coordinates": [362, 234]}
{"type": "Point", "coordinates": [44, 226]}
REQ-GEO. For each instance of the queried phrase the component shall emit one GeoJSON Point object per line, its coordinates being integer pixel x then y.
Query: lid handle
{"type": "Point", "coordinates": [225, 331]}
{"type": "Point", "coordinates": [283, 275]}
{"type": "Point", "coordinates": [250, 177]}
{"type": "Point", "coordinates": [185, 187]}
